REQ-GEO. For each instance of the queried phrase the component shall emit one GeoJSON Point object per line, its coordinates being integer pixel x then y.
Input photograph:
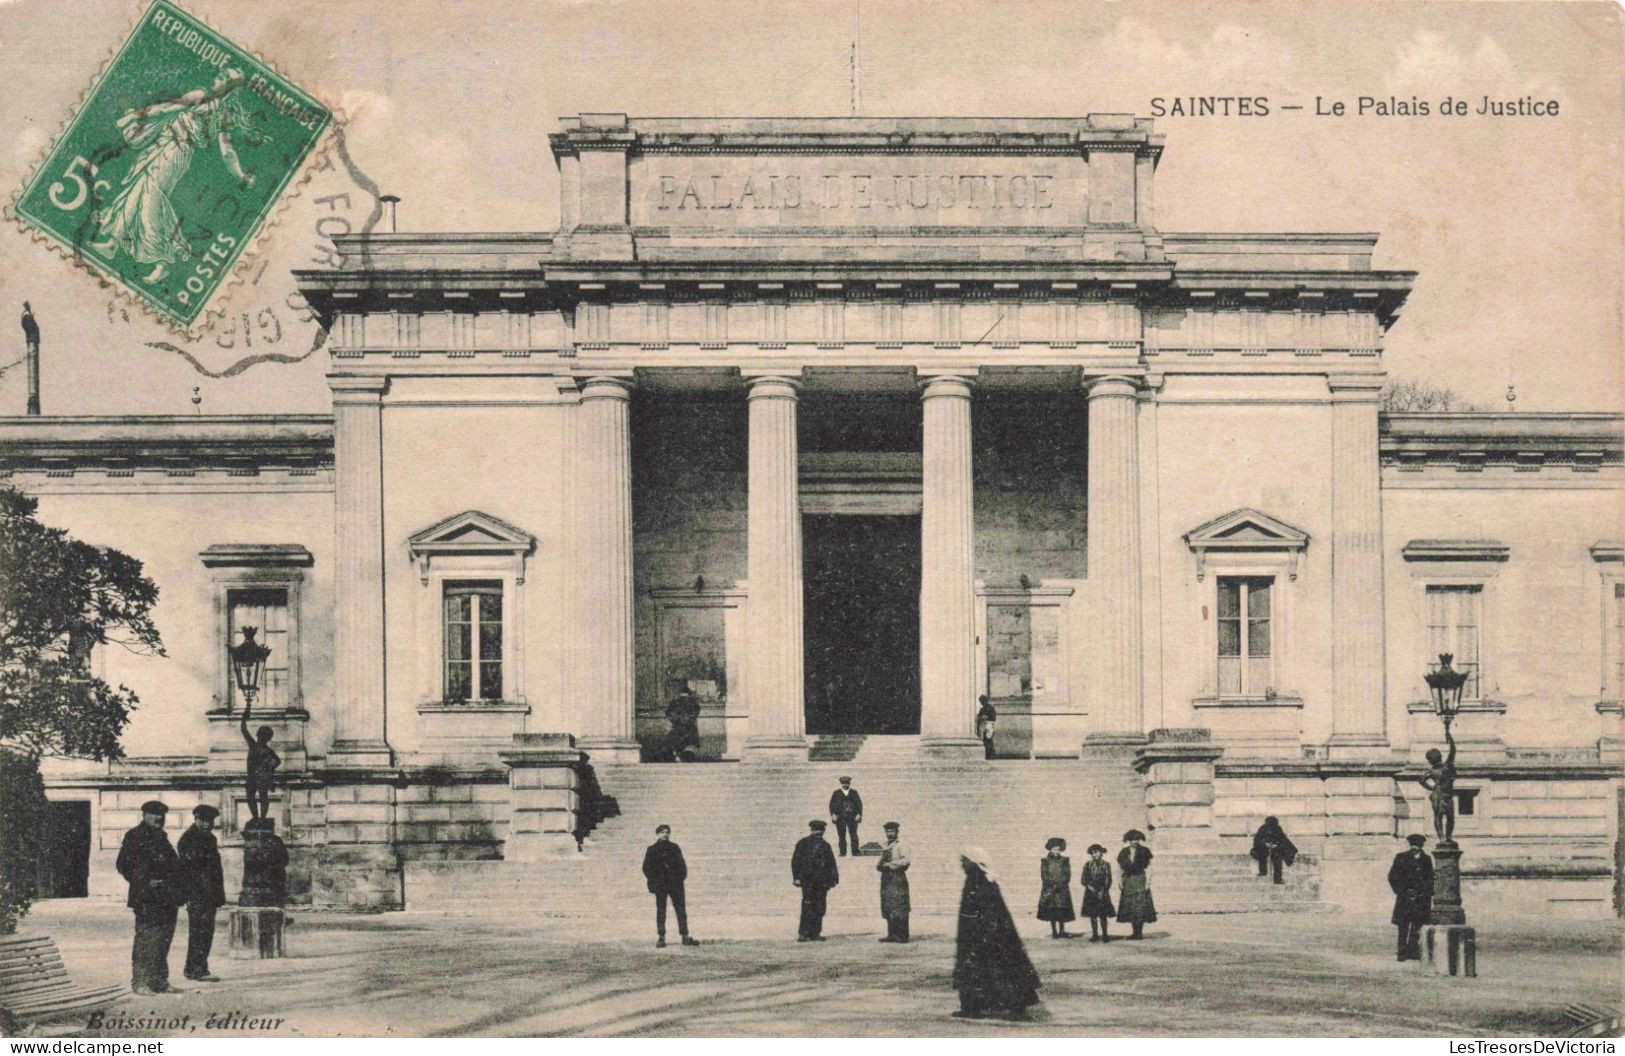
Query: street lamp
{"type": "Point", "coordinates": [248, 662]}
{"type": "Point", "coordinates": [1452, 946]}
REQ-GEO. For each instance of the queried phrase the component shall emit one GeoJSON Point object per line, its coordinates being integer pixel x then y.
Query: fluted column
{"type": "Point", "coordinates": [358, 567]}
{"type": "Point", "coordinates": [1114, 637]}
{"type": "Point", "coordinates": [1359, 726]}
{"type": "Point", "coordinates": [609, 716]}
{"type": "Point", "coordinates": [948, 687]}
{"type": "Point", "coordinates": [773, 630]}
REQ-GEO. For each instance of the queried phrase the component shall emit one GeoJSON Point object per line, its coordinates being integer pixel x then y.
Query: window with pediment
{"type": "Point", "coordinates": [471, 569]}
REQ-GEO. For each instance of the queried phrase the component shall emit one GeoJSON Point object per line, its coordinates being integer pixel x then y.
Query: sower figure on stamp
{"type": "Point", "coordinates": [1411, 878]}
{"type": "Point", "coordinates": [666, 872]}
{"type": "Point", "coordinates": [148, 862]}
{"type": "Point", "coordinates": [893, 869]}
{"type": "Point", "coordinates": [205, 890]}
{"type": "Point", "coordinates": [845, 812]}
{"type": "Point", "coordinates": [813, 869]}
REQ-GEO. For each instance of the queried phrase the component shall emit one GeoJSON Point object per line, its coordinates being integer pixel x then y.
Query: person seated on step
{"type": "Point", "coordinates": [683, 742]}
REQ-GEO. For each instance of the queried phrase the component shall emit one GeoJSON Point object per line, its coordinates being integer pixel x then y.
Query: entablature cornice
{"type": "Point", "coordinates": [175, 446]}
{"type": "Point", "coordinates": [1520, 442]}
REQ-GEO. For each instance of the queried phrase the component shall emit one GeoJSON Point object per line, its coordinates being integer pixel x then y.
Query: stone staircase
{"type": "Point", "coordinates": [737, 824]}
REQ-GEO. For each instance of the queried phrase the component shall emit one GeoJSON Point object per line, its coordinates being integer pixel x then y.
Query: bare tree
{"type": "Point", "coordinates": [1402, 395]}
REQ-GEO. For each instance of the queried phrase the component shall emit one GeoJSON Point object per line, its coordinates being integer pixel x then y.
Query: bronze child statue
{"type": "Point", "coordinates": [262, 767]}
{"type": "Point", "coordinates": [1440, 781]}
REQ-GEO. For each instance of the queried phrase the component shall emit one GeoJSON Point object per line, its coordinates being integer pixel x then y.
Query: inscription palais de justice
{"type": "Point", "coordinates": [856, 191]}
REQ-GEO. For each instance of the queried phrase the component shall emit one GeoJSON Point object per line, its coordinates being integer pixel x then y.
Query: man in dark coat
{"type": "Point", "coordinates": [1411, 877]}
{"type": "Point", "coordinates": [148, 862]}
{"type": "Point", "coordinates": [1272, 849]}
{"type": "Point", "coordinates": [813, 869]}
{"type": "Point", "coordinates": [664, 868]}
{"type": "Point", "coordinates": [991, 969]}
{"type": "Point", "coordinates": [845, 812]}
{"type": "Point", "coordinates": [205, 886]}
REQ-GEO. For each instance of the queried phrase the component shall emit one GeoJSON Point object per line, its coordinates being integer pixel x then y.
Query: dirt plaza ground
{"type": "Point", "coordinates": [409, 974]}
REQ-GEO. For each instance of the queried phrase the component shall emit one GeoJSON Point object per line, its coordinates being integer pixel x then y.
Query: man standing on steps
{"type": "Point", "coordinates": [846, 811]}
{"type": "Point", "coordinates": [813, 869]}
{"type": "Point", "coordinates": [664, 868]}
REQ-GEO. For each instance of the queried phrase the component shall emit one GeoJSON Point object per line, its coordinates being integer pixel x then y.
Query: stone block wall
{"type": "Point", "coordinates": [1029, 456]}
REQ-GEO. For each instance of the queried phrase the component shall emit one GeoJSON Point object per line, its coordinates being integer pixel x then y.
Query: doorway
{"type": "Point", "coordinates": [861, 623]}
{"type": "Point", "coordinates": [63, 867]}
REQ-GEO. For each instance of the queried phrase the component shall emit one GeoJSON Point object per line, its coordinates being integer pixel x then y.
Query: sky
{"type": "Point", "coordinates": [1513, 224]}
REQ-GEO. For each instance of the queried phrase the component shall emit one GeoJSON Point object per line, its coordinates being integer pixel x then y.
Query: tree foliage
{"type": "Point", "coordinates": [1423, 396]}
{"type": "Point", "coordinates": [60, 598]}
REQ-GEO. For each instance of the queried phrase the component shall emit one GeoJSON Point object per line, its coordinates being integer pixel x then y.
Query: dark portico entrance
{"type": "Point", "coordinates": [861, 622]}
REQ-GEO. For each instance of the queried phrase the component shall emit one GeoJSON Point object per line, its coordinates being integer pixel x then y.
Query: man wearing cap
{"type": "Point", "coordinates": [1411, 877]}
{"type": "Point", "coordinates": [205, 887]}
{"type": "Point", "coordinates": [148, 862]}
{"type": "Point", "coordinates": [666, 872]}
{"type": "Point", "coordinates": [846, 811]}
{"type": "Point", "coordinates": [813, 869]}
{"type": "Point", "coordinates": [893, 869]}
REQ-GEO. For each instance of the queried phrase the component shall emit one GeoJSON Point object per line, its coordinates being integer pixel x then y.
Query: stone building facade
{"type": "Point", "coordinates": [839, 424]}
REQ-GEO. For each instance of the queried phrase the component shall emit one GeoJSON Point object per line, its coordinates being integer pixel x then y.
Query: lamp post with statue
{"type": "Point", "coordinates": [1451, 944]}
{"type": "Point", "coordinates": [257, 922]}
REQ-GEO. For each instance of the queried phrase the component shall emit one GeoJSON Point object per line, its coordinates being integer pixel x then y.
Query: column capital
{"type": "Point", "coordinates": [1117, 383]}
{"type": "Point", "coordinates": [771, 385]}
{"type": "Point", "coordinates": [1356, 388]}
{"type": "Point", "coordinates": [357, 388]}
{"type": "Point", "coordinates": [617, 386]}
{"type": "Point", "coordinates": [952, 383]}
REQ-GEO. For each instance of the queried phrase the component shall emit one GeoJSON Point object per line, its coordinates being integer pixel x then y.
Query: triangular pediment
{"type": "Point", "coordinates": [473, 531]}
{"type": "Point", "coordinates": [1246, 529]}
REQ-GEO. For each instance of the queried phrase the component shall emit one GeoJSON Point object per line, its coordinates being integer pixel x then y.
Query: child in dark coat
{"type": "Point", "coordinates": [1055, 900]}
{"type": "Point", "coordinates": [1097, 893]}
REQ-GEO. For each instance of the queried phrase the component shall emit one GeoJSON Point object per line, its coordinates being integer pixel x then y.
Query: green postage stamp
{"type": "Point", "coordinates": [173, 162]}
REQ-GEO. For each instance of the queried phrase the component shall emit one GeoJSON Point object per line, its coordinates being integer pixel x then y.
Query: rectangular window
{"type": "Point", "coordinates": [1244, 636]}
{"type": "Point", "coordinates": [1453, 620]}
{"type": "Point", "coordinates": [1616, 669]}
{"type": "Point", "coordinates": [266, 611]}
{"type": "Point", "coordinates": [473, 641]}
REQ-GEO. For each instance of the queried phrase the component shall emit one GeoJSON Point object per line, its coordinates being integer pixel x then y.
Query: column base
{"type": "Point", "coordinates": [1452, 949]}
{"type": "Point", "coordinates": [360, 754]}
{"type": "Point", "coordinates": [774, 750]}
{"type": "Point", "coordinates": [611, 750]}
{"type": "Point", "coordinates": [951, 748]}
{"type": "Point", "coordinates": [1356, 746]}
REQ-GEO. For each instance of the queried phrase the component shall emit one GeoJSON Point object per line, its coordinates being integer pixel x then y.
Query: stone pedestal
{"type": "Point", "coordinates": [773, 618]}
{"type": "Point", "coordinates": [1178, 769]}
{"type": "Point", "coordinates": [1447, 884]}
{"type": "Point", "coordinates": [544, 784]}
{"type": "Point", "coordinates": [948, 687]}
{"type": "Point", "coordinates": [1452, 949]}
{"type": "Point", "coordinates": [256, 932]}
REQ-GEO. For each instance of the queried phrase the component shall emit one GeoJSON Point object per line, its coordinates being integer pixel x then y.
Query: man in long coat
{"type": "Point", "coordinates": [813, 869]}
{"type": "Point", "coordinates": [845, 812]}
{"type": "Point", "coordinates": [666, 872]}
{"type": "Point", "coordinates": [1411, 877]}
{"type": "Point", "coordinates": [205, 886]}
{"type": "Point", "coordinates": [893, 869]}
{"type": "Point", "coordinates": [148, 862]}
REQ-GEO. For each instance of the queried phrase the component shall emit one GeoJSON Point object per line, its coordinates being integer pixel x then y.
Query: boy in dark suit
{"type": "Point", "coordinates": [666, 872]}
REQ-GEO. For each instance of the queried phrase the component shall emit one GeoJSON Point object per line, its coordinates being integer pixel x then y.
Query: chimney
{"type": "Point", "coordinates": [31, 335]}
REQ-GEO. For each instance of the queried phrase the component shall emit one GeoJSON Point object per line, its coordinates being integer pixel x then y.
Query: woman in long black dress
{"type": "Point", "coordinates": [991, 969]}
{"type": "Point", "coordinates": [1134, 905]}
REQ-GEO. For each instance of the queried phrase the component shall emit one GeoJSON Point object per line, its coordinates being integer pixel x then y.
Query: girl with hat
{"type": "Point", "coordinates": [1055, 900]}
{"type": "Point", "coordinates": [1134, 905]}
{"type": "Point", "coordinates": [1097, 893]}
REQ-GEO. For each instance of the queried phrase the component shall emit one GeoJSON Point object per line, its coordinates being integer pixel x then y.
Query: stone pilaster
{"type": "Point", "coordinates": [948, 688]}
{"type": "Point", "coordinates": [544, 788]}
{"type": "Point", "coordinates": [609, 710]}
{"type": "Point", "coordinates": [1359, 726]}
{"type": "Point", "coordinates": [1114, 640]}
{"type": "Point", "coordinates": [358, 562]}
{"type": "Point", "coordinates": [773, 628]}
